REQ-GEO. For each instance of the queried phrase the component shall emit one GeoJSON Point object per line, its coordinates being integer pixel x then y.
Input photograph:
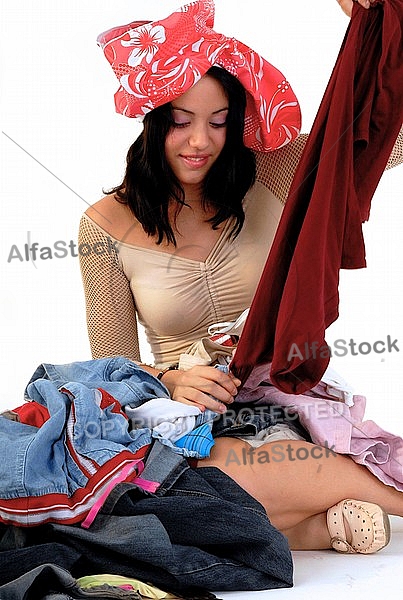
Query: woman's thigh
{"type": "Point", "coordinates": [292, 479]}
{"type": "Point", "coordinates": [280, 475]}
{"type": "Point", "coordinates": [295, 480]}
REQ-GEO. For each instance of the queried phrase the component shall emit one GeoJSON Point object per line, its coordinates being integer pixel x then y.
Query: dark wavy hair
{"type": "Point", "coordinates": [149, 183]}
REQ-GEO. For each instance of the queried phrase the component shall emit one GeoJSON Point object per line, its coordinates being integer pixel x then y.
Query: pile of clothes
{"type": "Point", "coordinates": [87, 489]}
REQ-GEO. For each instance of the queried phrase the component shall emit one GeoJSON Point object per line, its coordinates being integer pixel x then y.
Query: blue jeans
{"type": "Point", "coordinates": [200, 530]}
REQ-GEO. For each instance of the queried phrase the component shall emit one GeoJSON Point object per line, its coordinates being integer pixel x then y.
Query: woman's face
{"type": "Point", "coordinates": [198, 134]}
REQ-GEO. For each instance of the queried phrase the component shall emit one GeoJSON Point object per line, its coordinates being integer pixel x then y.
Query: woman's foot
{"type": "Point", "coordinates": [356, 526]}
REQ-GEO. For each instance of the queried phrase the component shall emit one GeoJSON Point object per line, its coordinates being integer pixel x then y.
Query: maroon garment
{"type": "Point", "coordinates": [321, 227]}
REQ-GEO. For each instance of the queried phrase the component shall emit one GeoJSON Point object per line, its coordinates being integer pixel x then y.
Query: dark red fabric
{"type": "Point", "coordinates": [321, 227]}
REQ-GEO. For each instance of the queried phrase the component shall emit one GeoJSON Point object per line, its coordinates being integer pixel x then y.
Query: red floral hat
{"type": "Point", "coordinates": [158, 61]}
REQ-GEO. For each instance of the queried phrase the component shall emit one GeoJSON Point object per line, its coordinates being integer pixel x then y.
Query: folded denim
{"type": "Point", "coordinates": [230, 546]}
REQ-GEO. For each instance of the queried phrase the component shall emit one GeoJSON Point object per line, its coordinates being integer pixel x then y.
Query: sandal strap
{"type": "Point", "coordinates": [337, 530]}
{"type": "Point", "coordinates": [368, 523]}
{"type": "Point", "coordinates": [342, 546]}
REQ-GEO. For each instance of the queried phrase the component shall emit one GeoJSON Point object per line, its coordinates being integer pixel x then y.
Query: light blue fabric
{"type": "Point", "coordinates": [37, 461]}
{"type": "Point", "coordinates": [120, 377]}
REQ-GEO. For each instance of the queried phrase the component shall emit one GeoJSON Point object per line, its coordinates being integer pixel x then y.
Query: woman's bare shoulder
{"type": "Point", "coordinates": [110, 215]}
{"type": "Point", "coordinates": [105, 210]}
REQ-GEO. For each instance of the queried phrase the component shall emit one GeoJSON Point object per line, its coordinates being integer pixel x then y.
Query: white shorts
{"type": "Point", "coordinates": [274, 433]}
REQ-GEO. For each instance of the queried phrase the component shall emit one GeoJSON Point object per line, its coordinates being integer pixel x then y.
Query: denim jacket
{"type": "Point", "coordinates": [58, 471]}
{"type": "Point", "coordinates": [120, 377]}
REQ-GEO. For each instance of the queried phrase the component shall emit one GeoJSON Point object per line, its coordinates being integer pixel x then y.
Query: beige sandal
{"type": "Point", "coordinates": [369, 527]}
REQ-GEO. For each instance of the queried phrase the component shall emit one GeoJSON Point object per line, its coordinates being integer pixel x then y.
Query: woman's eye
{"type": "Point", "coordinates": [180, 124]}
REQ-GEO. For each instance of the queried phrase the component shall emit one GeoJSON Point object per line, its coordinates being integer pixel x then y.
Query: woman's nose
{"type": "Point", "coordinates": [199, 137]}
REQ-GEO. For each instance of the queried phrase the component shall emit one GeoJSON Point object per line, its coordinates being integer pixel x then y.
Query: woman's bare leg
{"type": "Point", "coordinates": [296, 482]}
{"type": "Point", "coordinates": [310, 534]}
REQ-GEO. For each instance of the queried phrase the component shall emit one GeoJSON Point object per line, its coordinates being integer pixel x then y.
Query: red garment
{"type": "Point", "coordinates": [32, 413]}
{"type": "Point", "coordinates": [321, 227]}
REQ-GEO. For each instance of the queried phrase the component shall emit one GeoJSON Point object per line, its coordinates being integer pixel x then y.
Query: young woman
{"type": "Point", "coordinates": [181, 244]}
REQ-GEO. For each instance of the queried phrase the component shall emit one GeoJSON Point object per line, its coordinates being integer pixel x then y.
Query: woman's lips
{"type": "Point", "coordinates": [195, 162]}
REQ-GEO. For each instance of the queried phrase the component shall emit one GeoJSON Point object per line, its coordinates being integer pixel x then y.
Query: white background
{"type": "Point", "coordinates": [58, 107]}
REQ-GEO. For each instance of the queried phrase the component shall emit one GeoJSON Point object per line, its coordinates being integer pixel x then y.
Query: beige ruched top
{"type": "Point", "coordinates": [176, 299]}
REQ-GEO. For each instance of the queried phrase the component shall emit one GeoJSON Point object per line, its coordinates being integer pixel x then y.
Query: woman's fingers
{"type": "Point", "coordinates": [206, 386]}
{"type": "Point", "coordinates": [199, 399]}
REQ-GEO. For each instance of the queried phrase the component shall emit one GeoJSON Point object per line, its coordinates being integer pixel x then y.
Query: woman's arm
{"type": "Point", "coordinates": [276, 169]}
{"type": "Point", "coordinates": [110, 310]}
{"type": "Point", "coordinates": [396, 156]}
{"type": "Point", "coordinates": [347, 5]}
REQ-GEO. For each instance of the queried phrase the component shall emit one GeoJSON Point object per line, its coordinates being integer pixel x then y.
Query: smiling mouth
{"type": "Point", "coordinates": [195, 161]}
{"type": "Point", "coordinates": [195, 158]}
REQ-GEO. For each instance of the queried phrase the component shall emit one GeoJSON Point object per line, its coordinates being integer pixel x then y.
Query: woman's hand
{"type": "Point", "coordinates": [206, 387]}
{"type": "Point", "coordinates": [347, 5]}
